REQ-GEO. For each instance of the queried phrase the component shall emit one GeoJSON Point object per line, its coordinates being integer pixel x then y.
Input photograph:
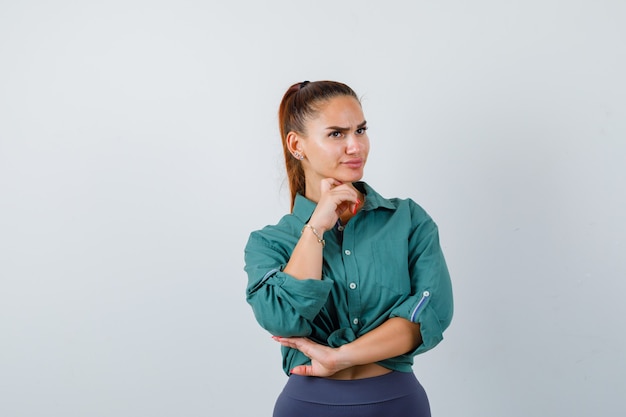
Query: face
{"type": "Point", "coordinates": [335, 143]}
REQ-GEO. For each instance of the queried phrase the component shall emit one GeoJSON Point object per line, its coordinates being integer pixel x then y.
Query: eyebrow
{"type": "Point", "coordinates": [345, 129]}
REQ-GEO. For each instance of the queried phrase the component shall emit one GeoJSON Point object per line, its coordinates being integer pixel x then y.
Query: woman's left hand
{"type": "Point", "coordinates": [325, 361]}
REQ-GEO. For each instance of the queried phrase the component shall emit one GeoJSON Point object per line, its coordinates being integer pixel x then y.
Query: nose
{"type": "Point", "coordinates": [352, 145]}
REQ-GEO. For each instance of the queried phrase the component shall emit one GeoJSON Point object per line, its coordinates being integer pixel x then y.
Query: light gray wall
{"type": "Point", "coordinates": [139, 148]}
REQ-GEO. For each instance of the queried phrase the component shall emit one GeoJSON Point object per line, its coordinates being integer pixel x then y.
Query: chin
{"type": "Point", "coordinates": [352, 178]}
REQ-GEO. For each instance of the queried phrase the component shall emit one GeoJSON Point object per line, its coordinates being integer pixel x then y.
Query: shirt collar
{"type": "Point", "coordinates": [303, 207]}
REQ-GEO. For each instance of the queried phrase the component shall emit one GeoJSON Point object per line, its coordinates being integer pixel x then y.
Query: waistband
{"type": "Point", "coordinates": [351, 392]}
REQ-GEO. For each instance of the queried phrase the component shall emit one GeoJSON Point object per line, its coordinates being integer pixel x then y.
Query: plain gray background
{"type": "Point", "coordinates": [139, 148]}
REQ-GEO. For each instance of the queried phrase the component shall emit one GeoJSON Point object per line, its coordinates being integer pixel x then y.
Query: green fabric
{"type": "Point", "coordinates": [386, 263]}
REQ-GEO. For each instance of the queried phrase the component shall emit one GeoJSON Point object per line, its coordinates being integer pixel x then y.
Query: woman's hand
{"type": "Point", "coordinates": [335, 198]}
{"type": "Point", "coordinates": [325, 361]}
{"type": "Point", "coordinates": [394, 337]}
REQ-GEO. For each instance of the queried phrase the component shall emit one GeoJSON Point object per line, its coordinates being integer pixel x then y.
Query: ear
{"type": "Point", "coordinates": [293, 141]}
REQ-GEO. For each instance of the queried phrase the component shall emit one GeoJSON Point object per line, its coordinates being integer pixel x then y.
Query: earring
{"type": "Point", "coordinates": [298, 155]}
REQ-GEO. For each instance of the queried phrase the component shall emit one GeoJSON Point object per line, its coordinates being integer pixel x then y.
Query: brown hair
{"type": "Point", "coordinates": [301, 102]}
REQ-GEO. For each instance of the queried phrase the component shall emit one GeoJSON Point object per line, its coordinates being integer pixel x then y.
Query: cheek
{"type": "Point", "coordinates": [366, 147]}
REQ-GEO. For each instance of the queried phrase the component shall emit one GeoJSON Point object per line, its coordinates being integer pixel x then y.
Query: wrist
{"type": "Point", "coordinates": [318, 224]}
{"type": "Point", "coordinates": [344, 357]}
{"type": "Point", "coordinates": [319, 235]}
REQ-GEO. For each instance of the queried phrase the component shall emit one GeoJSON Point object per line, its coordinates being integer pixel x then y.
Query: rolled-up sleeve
{"type": "Point", "coordinates": [430, 303]}
{"type": "Point", "coordinates": [282, 304]}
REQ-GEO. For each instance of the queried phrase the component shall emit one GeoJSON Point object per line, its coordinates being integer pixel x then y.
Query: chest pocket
{"type": "Point", "coordinates": [390, 265]}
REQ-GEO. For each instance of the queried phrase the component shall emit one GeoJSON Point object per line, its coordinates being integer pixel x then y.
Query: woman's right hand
{"type": "Point", "coordinates": [335, 198]}
{"type": "Point", "coordinates": [307, 257]}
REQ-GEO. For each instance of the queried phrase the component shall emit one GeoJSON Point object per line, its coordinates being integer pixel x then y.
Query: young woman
{"type": "Point", "coordinates": [351, 284]}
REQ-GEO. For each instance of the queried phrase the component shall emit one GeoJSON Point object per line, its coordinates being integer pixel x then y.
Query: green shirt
{"type": "Point", "coordinates": [386, 262]}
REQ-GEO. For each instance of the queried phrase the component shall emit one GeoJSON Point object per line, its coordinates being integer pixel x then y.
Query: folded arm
{"type": "Point", "coordinates": [394, 337]}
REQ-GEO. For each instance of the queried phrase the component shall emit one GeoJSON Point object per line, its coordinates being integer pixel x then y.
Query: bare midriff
{"type": "Point", "coordinates": [361, 371]}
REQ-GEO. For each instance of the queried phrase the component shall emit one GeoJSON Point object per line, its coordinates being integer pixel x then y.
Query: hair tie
{"type": "Point", "coordinates": [302, 84]}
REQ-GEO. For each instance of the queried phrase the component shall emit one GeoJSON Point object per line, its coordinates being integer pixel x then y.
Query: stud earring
{"type": "Point", "coordinates": [298, 155]}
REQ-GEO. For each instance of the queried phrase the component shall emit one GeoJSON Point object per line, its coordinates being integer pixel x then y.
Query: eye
{"type": "Point", "coordinates": [361, 131]}
{"type": "Point", "coordinates": [335, 134]}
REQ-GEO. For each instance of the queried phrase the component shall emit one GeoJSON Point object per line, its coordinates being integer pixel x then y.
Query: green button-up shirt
{"type": "Point", "coordinates": [386, 262]}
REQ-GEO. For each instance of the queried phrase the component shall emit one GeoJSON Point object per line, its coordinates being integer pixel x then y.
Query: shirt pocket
{"type": "Point", "coordinates": [390, 264]}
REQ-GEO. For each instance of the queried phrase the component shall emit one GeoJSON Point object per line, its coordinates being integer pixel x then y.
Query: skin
{"type": "Point", "coordinates": [335, 147]}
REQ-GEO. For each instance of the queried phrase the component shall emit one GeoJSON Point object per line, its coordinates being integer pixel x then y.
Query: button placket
{"type": "Point", "coordinates": [352, 278]}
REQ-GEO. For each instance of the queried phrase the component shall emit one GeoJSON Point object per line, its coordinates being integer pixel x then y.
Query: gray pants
{"type": "Point", "coordinates": [396, 394]}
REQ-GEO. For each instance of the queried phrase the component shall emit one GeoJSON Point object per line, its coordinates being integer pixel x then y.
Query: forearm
{"type": "Point", "coordinates": [306, 258]}
{"type": "Point", "coordinates": [395, 337]}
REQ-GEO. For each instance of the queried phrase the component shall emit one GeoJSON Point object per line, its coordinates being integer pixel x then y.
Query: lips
{"type": "Point", "coordinates": [354, 163]}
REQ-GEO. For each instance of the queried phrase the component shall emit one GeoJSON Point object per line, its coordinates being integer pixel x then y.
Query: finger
{"type": "Point", "coordinates": [292, 342]}
{"type": "Point", "coordinates": [283, 340]}
{"type": "Point", "coordinates": [333, 182]}
{"type": "Point", "coordinates": [329, 183]}
{"type": "Point", "coordinates": [304, 370]}
{"type": "Point", "coordinates": [343, 195]}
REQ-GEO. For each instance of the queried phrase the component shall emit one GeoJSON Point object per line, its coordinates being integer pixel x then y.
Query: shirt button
{"type": "Point", "coordinates": [355, 321]}
{"type": "Point", "coordinates": [352, 285]}
{"type": "Point", "coordinates": [340, 228]}
{"type": "Point", "coordinates": [347, 252]}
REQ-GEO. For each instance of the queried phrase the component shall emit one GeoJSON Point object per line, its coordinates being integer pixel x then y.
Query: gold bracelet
{"type": "Point", "coordinates": [317, 235]}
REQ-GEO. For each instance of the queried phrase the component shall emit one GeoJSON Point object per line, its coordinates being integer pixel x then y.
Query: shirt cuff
{"type": "Point", "coordinates": [306, 296]}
